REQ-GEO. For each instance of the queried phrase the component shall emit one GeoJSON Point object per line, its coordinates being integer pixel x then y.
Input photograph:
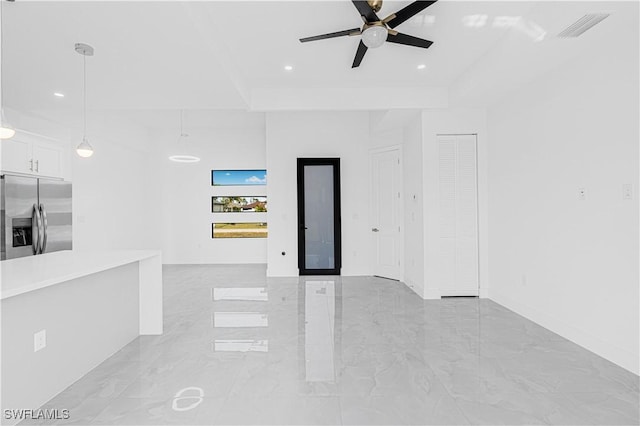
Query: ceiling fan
{"type": "Point", "coordinates": [376, 31]}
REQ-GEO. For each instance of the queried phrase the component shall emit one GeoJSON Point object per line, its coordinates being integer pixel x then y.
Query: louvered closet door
{"type": "Point", "coordinates": [458, 239]}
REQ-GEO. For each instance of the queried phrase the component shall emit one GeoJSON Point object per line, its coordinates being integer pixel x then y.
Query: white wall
{"type": "Point", "coordinates": [117, 191]}
{"type": "Point", "coordinates": [318, 134]}
{"type": "Point", "coordinates": [187, 193]}
{"type": "Point", "coordinates": [570, 265]}
{"type": "Point", "coordinates": [451, 121]}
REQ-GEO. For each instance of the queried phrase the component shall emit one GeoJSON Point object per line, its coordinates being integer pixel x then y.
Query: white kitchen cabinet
{"type": "Point", "coordinates": [30, 155]}
{"type": "Point", "coordinates": [47, 160]}
{"type": "Point", "coordinates": [16, 155]}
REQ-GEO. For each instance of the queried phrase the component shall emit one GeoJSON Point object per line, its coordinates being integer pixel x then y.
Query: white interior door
{"type": "Point", "coordinates": [386, 173]}
{"type": "Point", "coordinates": [458, 215]}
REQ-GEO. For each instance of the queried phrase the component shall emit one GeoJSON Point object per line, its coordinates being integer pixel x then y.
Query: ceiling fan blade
{"type": "Point", "coordinates": [408, 40]}
{"type": "Point", "coordinates": [365, 10]}
{"type": "Point", "coordinates": [362, 49]}
{"type": "Point", "coordinates": [353, 31]}
{"type": "Point", "coordinates": [408, 12]}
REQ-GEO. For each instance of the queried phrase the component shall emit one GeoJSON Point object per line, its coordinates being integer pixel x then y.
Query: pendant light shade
{"type": "Point", "coordinates": [85, 149]}
{"type": "Point", "coordinates": [6, 130]}
{"type": "Point", "coordinates": [182, 157]}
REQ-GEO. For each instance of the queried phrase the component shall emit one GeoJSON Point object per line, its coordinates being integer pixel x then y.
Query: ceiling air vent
{"type": "Point", "coordinates": [582, 24]}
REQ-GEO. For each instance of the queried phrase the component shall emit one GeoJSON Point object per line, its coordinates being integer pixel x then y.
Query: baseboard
{"type": "Point", "coordinates": [617, 355]}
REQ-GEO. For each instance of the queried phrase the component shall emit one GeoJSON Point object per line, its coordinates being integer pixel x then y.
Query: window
{"type": "Point", "coordinates": [239, 230]}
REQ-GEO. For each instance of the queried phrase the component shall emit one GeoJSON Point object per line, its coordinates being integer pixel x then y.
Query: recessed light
{"type": "Point", "coordinates": [184, 158]}
{"type": "Point", "coordinates": [288, 68]}
{"type": "Point", "coordinates": [58, 94]}
{"type": "Point", "coordinates": [421, 66]}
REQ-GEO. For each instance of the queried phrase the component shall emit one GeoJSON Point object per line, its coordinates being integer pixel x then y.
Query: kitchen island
{"type": "Point", "coordinates": [89, 305]}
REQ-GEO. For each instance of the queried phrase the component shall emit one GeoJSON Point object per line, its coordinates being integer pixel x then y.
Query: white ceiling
{"type": "Point", "coordinates": [213, 55]}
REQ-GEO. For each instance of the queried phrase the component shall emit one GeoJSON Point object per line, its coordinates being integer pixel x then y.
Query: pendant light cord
{"type": "Point", "coordinates": [84, 96]}
{"type": "Point", "coordinates": [1, 50]}
{"type": "Point", "coordinates": [181, 127]}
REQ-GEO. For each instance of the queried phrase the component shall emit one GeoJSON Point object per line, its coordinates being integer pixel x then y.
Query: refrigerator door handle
{"type": "Point", "coordinates": [36, 226]}
{"type": "Point", "coordinates": [45, 229]}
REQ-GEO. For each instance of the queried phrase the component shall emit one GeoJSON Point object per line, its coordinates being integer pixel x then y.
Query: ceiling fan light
{"type": "Point", "coordinates": [84, 150]}
{"type": "Point", "coordinates": [374, 36]}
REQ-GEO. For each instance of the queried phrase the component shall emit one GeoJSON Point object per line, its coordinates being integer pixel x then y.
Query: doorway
{"type": "Point", "coordinates": [319, 223]}
{"type": "Point", "coordinates": [386, 212]}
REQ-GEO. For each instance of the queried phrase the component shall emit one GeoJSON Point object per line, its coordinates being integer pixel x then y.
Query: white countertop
{"type": "Point", "coordinates": [31, 273]}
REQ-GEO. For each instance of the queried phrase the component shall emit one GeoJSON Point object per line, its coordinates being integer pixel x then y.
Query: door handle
{"type": "Point", "coordinates": [36, 224]}
{"type": "Point", "coordinates": [37, 165]}
{"type": "Point", "coordinates": [45, 229]}
{"type": "Point", "coordinates": [31, 164]}
{"type": "Point", "coordinates": [375, 230]}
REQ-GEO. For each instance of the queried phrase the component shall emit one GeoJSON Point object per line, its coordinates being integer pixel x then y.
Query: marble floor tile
{"type": "Point", "coordinates": [599, 408]}
{"type": "Point", "coordinates": [518, 408]}
{"type": "Point", "coordinates": [281, 411]}
{"type": "Point", "coordinates": [146, 411]}
{"type": "Point", "coordinates": [401, 410]}
{"type": "Point", "coordinates": [342, 350]}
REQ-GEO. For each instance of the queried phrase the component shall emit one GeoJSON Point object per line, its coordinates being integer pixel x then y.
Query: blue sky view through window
{"type": "Point", "coordinates": [238, 177]}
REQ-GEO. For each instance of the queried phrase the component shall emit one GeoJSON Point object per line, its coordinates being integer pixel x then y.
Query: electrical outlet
{"type": "Point", "coordinates": [582, 194]}
{"type": "Point", "coordinates": [39, 340]}
{"type": "Point", "coordinates": [627, 191]}
{"type": "Point", "coordinates": [524, 280]}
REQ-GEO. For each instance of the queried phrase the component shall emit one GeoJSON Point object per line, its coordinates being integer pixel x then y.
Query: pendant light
{"type": "Point", "coordinates": [7, 131]}
{"type": "Point", "coordinates": [183, 158]}
{"type": "Point", "coordinates": [84, 149]}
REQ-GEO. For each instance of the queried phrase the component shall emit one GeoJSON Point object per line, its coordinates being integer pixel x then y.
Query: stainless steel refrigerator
{"type": "Point", "coordinates": [35, 216]}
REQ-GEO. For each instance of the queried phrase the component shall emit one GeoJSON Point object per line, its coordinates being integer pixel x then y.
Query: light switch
{"type": "Point", "coordinates": [39, 340]}
{"type": "Point", "coordinates": [627, 191]}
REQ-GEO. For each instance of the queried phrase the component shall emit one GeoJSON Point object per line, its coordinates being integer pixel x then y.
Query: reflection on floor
{"type": "Point", "coordinates": [240, 348]}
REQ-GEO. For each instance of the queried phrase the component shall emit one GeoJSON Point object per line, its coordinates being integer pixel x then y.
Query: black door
{"type": "Point", "coordinates": [319, 241]}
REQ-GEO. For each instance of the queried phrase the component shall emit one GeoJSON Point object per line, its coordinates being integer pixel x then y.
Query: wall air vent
{"type": "Point", "coordinates": [582, 25]}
